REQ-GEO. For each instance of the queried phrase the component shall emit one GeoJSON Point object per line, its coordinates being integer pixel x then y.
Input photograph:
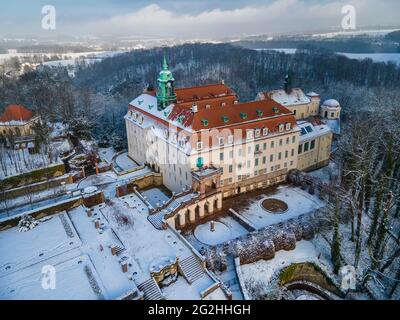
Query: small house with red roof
{"type": "Point", "coordinates": [16, 121]}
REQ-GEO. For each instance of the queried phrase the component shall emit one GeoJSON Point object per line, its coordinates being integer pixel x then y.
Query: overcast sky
{"type": "Point", "coordinates": [190, 18]}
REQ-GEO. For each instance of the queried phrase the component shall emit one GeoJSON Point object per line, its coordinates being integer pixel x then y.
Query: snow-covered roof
{"type": "Point", "coordinates": [334, 125]}
{"type": "Point", "coordinates": [295, 97]}
{"type": "Point", "coordinates": [311, 131]}
{"type": "Point", "coordinates": [332, 103]}
{"type": "Point", "coordinates": [312, 94]}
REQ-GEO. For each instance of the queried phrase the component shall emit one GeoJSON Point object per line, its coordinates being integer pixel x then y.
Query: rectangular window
{"type": "Point", "coordinates": [231, 154]}
{"type": "Point", "coordinates": [257, 148]}
{"type": "Point", "coordinates": [271, 157]}
{"type": "Point", "coordinates": [279, 155]}
{"type": "Point", "coordinates": [306, 146]}
{"type": "Point", "coordinates": [265, 146]}
{"type": "Point", "coordinates": [249, 134]}
{"type": "Point", "coordinates": [287, 140]}
{"type": "Point", "coordinates": [272, 144]}
{"type": "Point", "coordinates": [221, 141]}
{"type": "Point", "coordinates": [280, 142]}
{"type": "Point", "coordinates": [293, 139]}
{"type": "Point", "coordinates": [300, 148]}
{"type": "Point", "coordinates": [312, 145]}
{"type": "Point", "coordinates": [230, 168]}
{"type": "Point", "coordinates": [264, 159]}
{"type": "Point", "coordinates": [256, 162]}
{"type": "Point", "coordinates": [199, 145]}
{"type": "Point", "coordinates": [288, 126]}
{"type": "Point", "coordinates": [286, 154]}
{"type": "Point", "coordinates": [292, 152]}
{"type": "Point", "coordinates": [257, 133]}
{"type": "Point", "coordinates": [265, 131]}
{"type": "Point", "coordinates": [281, 127]}
{"type": "Point", "coordinates": [221, 156]}
{"type": "Point", "coordinates": [230, 139]}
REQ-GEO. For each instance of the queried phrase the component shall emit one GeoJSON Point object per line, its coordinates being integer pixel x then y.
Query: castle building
{"type": "Point", "coordinates": [203, 138]}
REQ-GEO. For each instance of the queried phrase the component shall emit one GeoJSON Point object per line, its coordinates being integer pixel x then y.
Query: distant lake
{"type": "Point", "coordinates": [376, 57]}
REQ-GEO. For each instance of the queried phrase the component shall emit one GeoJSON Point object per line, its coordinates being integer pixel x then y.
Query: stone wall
{"type": "Point", "coordinates": [148, 180]}
{"type": "Point", "coordinates": [34, 176]}
{"type": "Point", "coordinates": [36, 187]}
{"type": "Point", "coordinates": [69, 204]}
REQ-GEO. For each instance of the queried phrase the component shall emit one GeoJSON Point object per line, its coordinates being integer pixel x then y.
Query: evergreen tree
{"type": "Point", "coordinates": [336, 241]}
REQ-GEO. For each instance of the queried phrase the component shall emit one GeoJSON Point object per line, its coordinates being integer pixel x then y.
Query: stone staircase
{"type": "Point", "coordinates": [156, 220]}
{"type": "Point", "coordinates": [151, 290]}
{"type": "Point", "coordinates": [191, 269]}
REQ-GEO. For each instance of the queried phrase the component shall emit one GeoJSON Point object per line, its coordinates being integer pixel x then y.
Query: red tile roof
{"type": "Point", "coordinates": [203, 92]}
{"type": "Point", "coordinates": [231, 114]}
{"type": "Point", "coordinates": [15, 112]}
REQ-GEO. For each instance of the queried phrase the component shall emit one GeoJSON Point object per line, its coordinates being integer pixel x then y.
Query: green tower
{"type": "Point", "coordinates": [165, 90]}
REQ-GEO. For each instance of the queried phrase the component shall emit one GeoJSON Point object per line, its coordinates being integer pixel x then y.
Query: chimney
{"type": "Point", "coordinates": [222, 81]}
{"type": "Point", "coordinates": [194, 108]}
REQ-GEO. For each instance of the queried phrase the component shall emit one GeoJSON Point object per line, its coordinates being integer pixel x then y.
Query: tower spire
{"type": "Point", "coordinates": [165, 64]}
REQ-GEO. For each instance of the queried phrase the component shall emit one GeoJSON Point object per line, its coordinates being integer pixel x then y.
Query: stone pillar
{"type": "Point", "coordinates": [124, 267]}
{"type": "Point", "coordinates": [210, 206]}
{"type": "Point", "coordinates": [181, 219]}
{"type": "Point", "coordinates": [219, 202]}
{"type": "Point", "coordinates": [202, 188]}
{"type": "Point", "coordinates": [192, 214]}
{"type": "Point", "coordinates": [201, 210]}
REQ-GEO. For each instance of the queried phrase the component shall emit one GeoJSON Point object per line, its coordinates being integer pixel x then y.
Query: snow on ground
{"type": "Point", "coordinates": [71, 282]}
{"type": "Point", "coordinates": [96, 245]}
{"type": "Point", "coordinates": [299, 202]}
{"type": "Point", "coordinates": [124, 163]}
{"type": "Point", "coordinates": [85, 268]}
{"type": "Point", "coordinates": [235, 230]}
{"type": "Point", "coordinates": [128, 218]}
{"type": "Point", "coordinates": [220, 234]}
{"type": "Point", "coordinates": [155, 196]}
{"type": "Point", "coordinates": [106, 154]}
{"type": "Point", "coordinates": [20, 161]}
{"type": "Point", "coordinates": [326, 172]}
{"type": "Point", "coordinates": [180, 290]}
{"type": "Point", "coordinates": [50, 238]}
{"type": "Point", "coordinates": [263, 270]}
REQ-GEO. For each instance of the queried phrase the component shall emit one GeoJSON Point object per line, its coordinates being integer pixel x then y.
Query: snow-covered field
{"type": "Point", "coordinates": [84, 265]}
{"type": "Point", "coordinates": [376, 57]}
{"type": "Point", "coordinates": [299, 202]}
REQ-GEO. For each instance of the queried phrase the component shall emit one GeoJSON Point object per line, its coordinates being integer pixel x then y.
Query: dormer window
{"type": "Point", "coordinates": [249, 134]}
{"type": "Point", "coordinates": [223, 104]}
{"type": "Point", "coordinates": [281, 127]}
{"type": "Point", "coordinates": [243, 115]}
{"type": "Point", "coordinates": [221, 141]}
{"type": "Point", "coordinates": [208, 106]}
{"type": "Point", "coordinates": [225, 119]}
{"type": "Point", "coordinates": [204, 122]}
{"type": "Point", "coordinates": [288, 126]}
{"type": "Point", "coordinates": [257, 133]}
{"type": "Point", "coordinates": [259, 112]}
{"type": "Point", "coordinates": [265, 131]}
{"type": "Point", "coordinates": [230, 139]}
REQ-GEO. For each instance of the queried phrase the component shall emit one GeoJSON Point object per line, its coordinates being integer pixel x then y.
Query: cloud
{"type": "Point", "coordinates": [278, 16]}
